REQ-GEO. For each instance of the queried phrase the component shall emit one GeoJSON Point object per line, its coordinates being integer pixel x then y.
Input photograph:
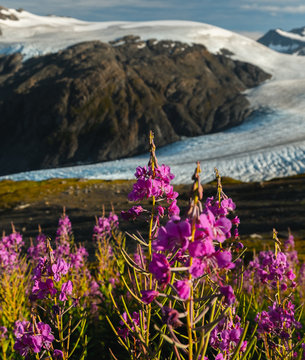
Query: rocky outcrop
{"type": "Point", "coordinates": [95, 101]}
{"type": "Point", "coordinates": [5, 14]}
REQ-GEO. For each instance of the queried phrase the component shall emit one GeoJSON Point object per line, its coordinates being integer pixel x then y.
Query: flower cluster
{"type": "Point", "coordinates": [104, 226]}
{"type": "Point", "coordinates": [153, 182]}
{"type": "Point", "coordinates": [226, 335]}
{"type": "Point", "coordinates": [128, 325]}
{"type": "Point", "coordinates": [45, 274]}
{"type": "Point", "coordinates": [271, 269]}
{"type": "Point", "coordinates": [79, 257]}
{"type": "Point", "coordinates": [278, 323]}
{"type": "Point", "coordinates": [211, 229]}
{"type": "Point", "coordinates": [290, 251]}
{"type": "Point", "coordinates": [64, 229]}
{"type": "Point", "coordinates": [10, 247]}
{"type": "Point", "coordinates": [39, 249]}
{"type": "Point", "coordinates": [32, 338]}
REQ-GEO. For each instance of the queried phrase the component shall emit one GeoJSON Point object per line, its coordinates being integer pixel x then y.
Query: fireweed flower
{"type": "Point", "coordinates": [174, 235]}
{"type": "Point", "coordinates": [58, 354]}
{"type": "Point", "coordinates": [215, 229]}
{"type": "Point", "coordinates": [173, 209]}
{"type": "Point", "coordinates": [41, 268]}
{"type": "Point", "coordinates": [160, 211]}
{"type": "Point", "coordinates": [228, 293]}
{"type": "Point", "coordinates": [159, 267]}
{"type": "Point", "coordinates": [113, 219]}
{"type": "Point", "coordinates": [32, 340]}
{"type": "Point", "coordinates": [102, 228]}
{"type": "Point", "coordinates": [132, 213]}
{"type": "Point", "coordinates": [66, 289]}
{"type": "Point", "coordinates": [201, 248]}
{"type": "Point", "coordinates": [148, 296]}
{"type": "Point", "coordinates": [183, 289]}
{"type": "Point", "coordinates": [124, 331]}
{"type": "Point", "coordinates": [226, 335]}
{"type": "Point", "coordinates": [44, 331]}
{"type": "Point", "coordinates": [59, 269]}
{"type": "Point", "coordinates": [64, 229]}
{"type": "Point", "coordinates": [224, 260]}
{"type": "Point", "coordinates": [270, 268]}
{"type": "Point", "coordinates": [197, 268]}
{"type": "Point", "coordinates": [78, 258]}
{"type": "Point", "coordinates": [40, 249]}
{"type": "Point", "coordinates": [170, 317]}
{"type": "Point", "coordinates": [278, 323]}
{"type": "Point", "coordinates": [10, 248]}
{"type": "Point", "coordinates": [226, 206]}
{"type": "Point", "coordinates": [41, 289]}
{"type": "Point", "coordinates": [154, 183]}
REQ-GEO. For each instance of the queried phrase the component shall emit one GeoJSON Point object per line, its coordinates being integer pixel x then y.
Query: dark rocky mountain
{"type": "Point", "coordinates": [95, 101]}
{"type": "Point", "coordinates": [289, 42]}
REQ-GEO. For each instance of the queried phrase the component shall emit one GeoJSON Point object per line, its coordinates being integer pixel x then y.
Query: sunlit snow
{"type": "Point", "coordinates": [271, 143]}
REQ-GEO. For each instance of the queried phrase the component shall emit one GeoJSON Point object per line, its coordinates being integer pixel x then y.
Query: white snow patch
{"type": "Point", "coordinates": [290, 35]}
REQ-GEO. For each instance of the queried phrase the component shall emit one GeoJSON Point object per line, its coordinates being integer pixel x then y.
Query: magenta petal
{"type": "Point", "coordinates": [224, 224]}
{"type": "Point", "coordinates": [197, 269]}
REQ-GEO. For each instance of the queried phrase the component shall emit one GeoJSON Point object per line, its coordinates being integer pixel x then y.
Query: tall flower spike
{"type": "Point", "coordinates": [195, 207]}
{"type": "Point", "coordinates": [153, 160]}
{"type": "Point", "coordinates": [277, 242]}
{"type": "Point", "coordinates": [219, 186]}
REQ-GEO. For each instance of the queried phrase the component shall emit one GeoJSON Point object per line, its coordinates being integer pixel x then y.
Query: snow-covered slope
{"type": "Point", "coordinates": [270, 144]}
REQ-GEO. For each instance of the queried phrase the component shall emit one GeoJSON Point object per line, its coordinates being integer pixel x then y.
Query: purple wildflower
{"type": "Point", "coordinates": [183, 289]}
{"type": "Point", "coordinates": [197, 268]}
{"type": "Point", "coordinates": [175, 234]}
{"type": "Point", "coordinates": [64, 229]}
{"type": "Point", "coordinates": [45, 331]}
{"type": "Point", "coordinates": [41, 289]}
{"type": "Point", "coordinates": [228, 293]}
{"type": "Point", "coordinates": [66, 289]}
{"type": "Point", "coordinates": [29, 340]}
{"type": "Point", "coordinates": [58, 354]}
{"type": "Point", "coordinates": [173, 209]}
{"type": "Point", "coordinates": [171, 317]}
{"type": "Point", "coordinates": [201, 248]}
{"type": "Point", "coordinates": [160, 268]}
{"type": "Point", "coordinates": [149, 296]}
{"type": "Point", "coordinates": [224, 260]}
{"type": "Point", "coordinates": [79, 258]}
{"type": "Point", "coordinates": [132, 213]}
{"type": "Point", "coordinates": [59, 269]}
{"type": "Point", "coordinates": [124, 331]}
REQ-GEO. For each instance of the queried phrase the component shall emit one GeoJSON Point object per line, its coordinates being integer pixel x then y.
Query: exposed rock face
{"type": "Point", "coordinates": [95, 101]}
{"type": "Point", "coordinates": [5, 15]}
{"type": "Point", "coordinates": [289, 42]}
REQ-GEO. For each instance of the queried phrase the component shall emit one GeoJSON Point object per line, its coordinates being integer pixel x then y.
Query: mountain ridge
{"type": "Point", "coordinates": [288, 42]}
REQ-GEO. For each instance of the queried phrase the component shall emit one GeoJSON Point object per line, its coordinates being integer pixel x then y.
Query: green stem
{"type": "Point", "coordinates": [150, 258]}
{"type": "Point", "coordinates": [208, 334]}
